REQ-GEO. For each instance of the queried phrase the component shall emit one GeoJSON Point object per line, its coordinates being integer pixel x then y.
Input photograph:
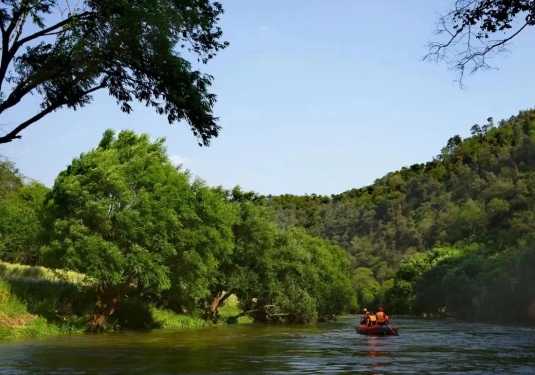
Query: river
{"type": "Point", "coordinates": [423, 347]}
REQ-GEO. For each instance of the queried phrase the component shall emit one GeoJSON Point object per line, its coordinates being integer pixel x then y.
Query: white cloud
{"type": "Point", "coordinates": [177, 160]}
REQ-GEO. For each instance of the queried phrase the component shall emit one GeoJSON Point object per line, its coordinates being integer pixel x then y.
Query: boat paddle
{"type": "Point", "coordinates": [391, 330]}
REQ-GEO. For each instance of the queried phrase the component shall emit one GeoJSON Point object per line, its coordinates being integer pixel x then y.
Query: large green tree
{"type": "Point", "coordinates": [205, 249]}
{"type": "Point", "coordinates": [366, 286]}
{"type": "Point", "coordinates": [239, 271]}
{"type": "Point", "coordinates": [21, 230]}
{"type": "Point", "coordinates": [116, 215]}
{"type": "Point", "coordinates": [303, 278]}
{"type": "Point", "coordinates": [21, 204]}
{"type": "Point", "coordinates": [10, 178]}
{"type": "Point", "coordinates": [64, 52]}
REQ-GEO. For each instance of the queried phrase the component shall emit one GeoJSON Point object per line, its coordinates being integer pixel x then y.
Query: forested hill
{"type": "Point", "coordinates": [478, 193]}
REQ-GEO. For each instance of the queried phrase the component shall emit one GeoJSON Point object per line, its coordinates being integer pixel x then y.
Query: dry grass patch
{"type": "Point", "coordinates": [18, 321]}
{"type": "Point", "coordinates": [36, 273]}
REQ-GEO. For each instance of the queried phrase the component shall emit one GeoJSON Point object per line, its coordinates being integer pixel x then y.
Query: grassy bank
{"type": "Point", "coordinates": [230, 309]}
{"type": "Point", "coordinates": [31, 309]}
{"type": "Point", "coordinates": [22, 272]}
{"type": "Point", "coordinates": [36, 301]}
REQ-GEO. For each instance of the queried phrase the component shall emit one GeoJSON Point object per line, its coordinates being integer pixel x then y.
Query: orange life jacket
{"type": "Point", "coordinates": [381, 317]}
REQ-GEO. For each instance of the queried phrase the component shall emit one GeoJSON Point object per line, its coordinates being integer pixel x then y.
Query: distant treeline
{"type": "Point", "coordinates": [451, 236]}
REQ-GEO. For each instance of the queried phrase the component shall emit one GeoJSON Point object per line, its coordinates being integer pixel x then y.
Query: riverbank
{"type": "Point", "coordinates": [36, 301]}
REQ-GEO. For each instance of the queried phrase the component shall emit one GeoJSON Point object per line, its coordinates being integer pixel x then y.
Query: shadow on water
{"type": "Point", "coordinates": [423, 347]}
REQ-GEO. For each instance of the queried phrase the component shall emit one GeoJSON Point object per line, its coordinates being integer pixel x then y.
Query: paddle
{"type": "Point", "coordinates": [391, 330]}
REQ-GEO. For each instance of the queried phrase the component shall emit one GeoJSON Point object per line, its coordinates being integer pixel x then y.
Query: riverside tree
{"type": "Point", "coordinates": [254, 233]}
{"type": "Point", "coordinates": [64, 52]}
{"type": "Point", "coordinates": [21, 207]}
{"type": "Point", "coordinates": [116, 215]}
{"type": "Point", "coordinates": [207, 244]}
{"type": "Point", "coordinates": [301, 278]}
{"type": "Point", "coordinates": [476, 30]}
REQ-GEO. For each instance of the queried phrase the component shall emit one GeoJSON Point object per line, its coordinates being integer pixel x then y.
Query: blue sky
{"type": "Point", "coordinates": [314, 96]}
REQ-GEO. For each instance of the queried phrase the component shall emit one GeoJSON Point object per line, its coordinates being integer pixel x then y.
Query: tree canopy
{"type": "Point", "coordinates": [140, 229]}
{"type": "Point", "coordinates": [116, 216]}
{"type": "Point", "coordinates": [65, 52]}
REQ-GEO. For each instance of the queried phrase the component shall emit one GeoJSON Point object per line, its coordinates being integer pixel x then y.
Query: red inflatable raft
{"type": "Point", "coordinates": [377, 330]}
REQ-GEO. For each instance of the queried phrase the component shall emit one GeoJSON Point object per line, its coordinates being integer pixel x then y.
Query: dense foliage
{"type": "Point", "coordinates": [461, 226]}
{"type": "Point", "coordinates": [64, 51]}
{"type": "Point", "coordinates": [143, 232]}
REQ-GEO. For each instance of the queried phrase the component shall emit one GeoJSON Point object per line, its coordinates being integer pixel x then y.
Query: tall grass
{"type": "Point", "coordinates": [19, 302]}
{"type": "Point", "coordinates": [231, 309]}
{"type": "Point", "coordinates": [167, 319]}
{"type": "Point", "coordinates": [37, 301]}
{"type": "Point", "coordinates": [33, 273]}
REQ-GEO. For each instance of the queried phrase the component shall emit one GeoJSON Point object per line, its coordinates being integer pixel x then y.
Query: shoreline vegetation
{"type": "Point", "coordinates": [36, 301]}
{"type": "Point", "coordinates": [30, 296]}
{"type": "Point", "coordinates": [143, 245]}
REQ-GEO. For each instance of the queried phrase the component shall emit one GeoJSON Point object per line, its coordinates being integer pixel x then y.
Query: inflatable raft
{"type": "Point", "coordinates": [377, 330]}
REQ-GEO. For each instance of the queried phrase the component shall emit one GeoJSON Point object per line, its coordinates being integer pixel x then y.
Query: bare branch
{"type": "Point", "coordinates": [6, 58]}
{"type": "Point", "coordinates": [18, 32]}
{"type": "Point", "coordinates": [470, 24]}
{"type": "Point", "coordinates": [16, 18]}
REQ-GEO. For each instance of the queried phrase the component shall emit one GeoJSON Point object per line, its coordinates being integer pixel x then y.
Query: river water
{"type": "Point", "coordinates": [423, 347]}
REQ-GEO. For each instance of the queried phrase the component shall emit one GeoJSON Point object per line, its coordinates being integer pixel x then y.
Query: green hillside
{"type": "Point", "coordinates": [462, 226]}
{"type": "Point", "coordinates": [125, 239]}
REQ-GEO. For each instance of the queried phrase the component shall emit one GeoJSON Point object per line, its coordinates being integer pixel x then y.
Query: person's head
{"type": "Point", "coordinates": [364, 310]}
{"type": "Point", "coordinates": [380, 308]}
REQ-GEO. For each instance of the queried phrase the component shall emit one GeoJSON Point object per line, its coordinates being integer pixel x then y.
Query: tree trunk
{"type": "Point", "coordinates": [211, 311]}
{"type": "Point", "coordinates": [217, 299]}
{"type": "Point", "coordinates": [105, 306]}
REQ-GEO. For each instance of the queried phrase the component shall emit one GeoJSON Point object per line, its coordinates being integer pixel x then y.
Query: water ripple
{"type": "Point", "coordinates": [423, 347]}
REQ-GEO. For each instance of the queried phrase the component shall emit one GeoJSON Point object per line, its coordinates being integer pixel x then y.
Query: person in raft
{"type": "Point", "coordinates": [382, 318]}
{"type": "Point", "coordinates": [365, 316]}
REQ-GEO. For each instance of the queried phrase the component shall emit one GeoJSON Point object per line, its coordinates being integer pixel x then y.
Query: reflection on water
{"type": "Point", "coordinates": [423, 347]}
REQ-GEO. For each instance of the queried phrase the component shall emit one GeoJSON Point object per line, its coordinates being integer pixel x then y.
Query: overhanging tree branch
{"type": "Point", "coordinates": [9, 53]}
{"type": "Point", "coordinates": [471, 24]}
{"type": "Point", "coordinates": [14, 134]}
{"type": "Point", "coordinates": [52, 28]}
{"type": "Point", "coordinates": [132, 45]}
{"type": "Point", "coordinates": [23, 88]}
